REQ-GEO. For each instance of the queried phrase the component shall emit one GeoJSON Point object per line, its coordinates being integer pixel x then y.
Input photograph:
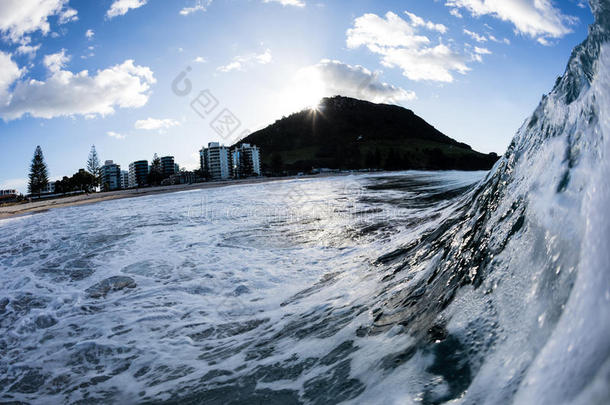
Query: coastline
{"type": "Point", "coordinates": [42, 206]}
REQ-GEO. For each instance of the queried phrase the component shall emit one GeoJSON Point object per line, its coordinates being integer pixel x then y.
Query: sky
{"type": "Point", "coordinates": [138, 77]}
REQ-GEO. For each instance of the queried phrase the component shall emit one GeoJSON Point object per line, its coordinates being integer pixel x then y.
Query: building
{"type": "Point", "coordinates": [176, 168]}
{"type": "Point", "coordinates": [49, 188]}
{"type": "Point", "coordinates": [9, 195]}
{"type": "Point", "coordinates": [215, 161]}
{"type": "Point", "coordinates": [168, 166]}
{"type": "Point", "coordinates": [111, 176]}
{"type": "Point", "coordinates": [246, 161]}
{"type": "Point", "coordinates": [180, 178]}
{"type": "Point", "coordinates": [138, 173]}
{"type": "Point", "coordinates": [124, 179]}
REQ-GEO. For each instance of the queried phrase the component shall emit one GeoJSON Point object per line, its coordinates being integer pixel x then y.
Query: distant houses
{"type": "Point", "coordinates": [124, 179]}
{"type": "Point", "coordinates": [110, 176]}
{"type": "Point", "coordinates": [48, 189]}
{"type": "Point", "coordinates": [246, 161]}
{"type": "Point", "coordinates": [218, 163]}
{"type": "Point", "coordinates": [168, 167]}
{"type": "Point", "coordinates": [138, 174]}
{"type": "Point", "coordinates": [215, 162]}
{"type": "Point", "coordinates": [9, 195]}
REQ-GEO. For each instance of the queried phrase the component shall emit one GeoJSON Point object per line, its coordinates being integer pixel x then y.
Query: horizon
{"type": "Point", "coordinates": [494, 64]}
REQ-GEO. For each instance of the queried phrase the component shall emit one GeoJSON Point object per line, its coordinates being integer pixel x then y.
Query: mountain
{"type": "Point", "coordinates": [345, 133]}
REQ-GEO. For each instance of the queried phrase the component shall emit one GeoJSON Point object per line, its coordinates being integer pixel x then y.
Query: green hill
{"type": "Point", "coordinates": [345, 133]}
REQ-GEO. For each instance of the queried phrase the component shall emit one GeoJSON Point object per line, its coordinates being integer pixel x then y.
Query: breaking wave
{"type": "Point", "coordinates": [384, 288]}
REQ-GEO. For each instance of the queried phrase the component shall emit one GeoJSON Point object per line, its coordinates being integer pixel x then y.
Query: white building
{"type": "Point", "coordinates": [246, 161]}
{"type": "Point", "coordinates": [124, 179]}
{"type": "Point", "coordinates": [215, 161]}
{"type": "Point", "coordinates": [49, 188]}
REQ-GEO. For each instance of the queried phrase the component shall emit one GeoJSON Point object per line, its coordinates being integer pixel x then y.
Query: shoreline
{"type": "Point", "coordinates": [36, 207]}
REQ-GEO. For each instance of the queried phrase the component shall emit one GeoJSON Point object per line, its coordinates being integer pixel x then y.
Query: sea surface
{"type": "Point", "coordinates": [402, 288]}
{"type": "Point", "coordinates": [238, 294]}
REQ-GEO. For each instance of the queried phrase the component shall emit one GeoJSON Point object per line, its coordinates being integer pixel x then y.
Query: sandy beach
{"type": "Point", "coordinates": [41, 206]}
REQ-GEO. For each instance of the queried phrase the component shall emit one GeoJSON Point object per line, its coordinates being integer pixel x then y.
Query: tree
{"type": "Point", "coordinates": [353, 157]}
{"type": "Point", "coordinates": [82, 180]}
{"type": "Point", "coordinates": [378, 158]}
{"type": "Point", "coordinates": [392, 161]}
{"type": "Point", "coordinates": [155, 175]}
{"type": "Point", "coordinates": [93, 167]}
{"type": "Point", "coordinates": [369, 160]}
{"type": "Point", "coordinates": [39, 178]}
{"type": "Point", "coordinates": [277, 164]}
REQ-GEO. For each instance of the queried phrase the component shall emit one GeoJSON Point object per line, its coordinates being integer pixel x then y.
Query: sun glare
{"type": "Point", "coordinates": [304, 92]}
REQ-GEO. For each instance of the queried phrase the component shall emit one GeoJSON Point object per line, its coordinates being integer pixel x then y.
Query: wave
{"type": "Point", "coordinates": [423, 288]}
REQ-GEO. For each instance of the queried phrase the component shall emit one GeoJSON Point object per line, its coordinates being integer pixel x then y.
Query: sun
{"type": "Point", "coordinates": [304, 92]}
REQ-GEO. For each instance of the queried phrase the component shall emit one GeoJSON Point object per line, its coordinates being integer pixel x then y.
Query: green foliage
{"type": "Point", "coordinates": [94, 168]}
{"type": "Point", "coordinates": [80, 181]}
{"type": "Point", "coordinates": [38, 178]}
{"type": "Point", "coordinates": [155, 175]}
{"type": "Point", "coordinates": [277, 164]}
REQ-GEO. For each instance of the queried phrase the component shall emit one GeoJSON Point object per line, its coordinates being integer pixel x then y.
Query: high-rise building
{"type": "Point", "coordinates": [168, 166]}
{"type": "Point", "coordinates": [111, 176]}
{"type": "Point", "coordinates": [246, 161]}
{"type": "Point", "coordinates": [215, 161]}
{"type": "Point", "coordinates": [124, 179]}
{"type": "Point", "coordinates": [138, 173]}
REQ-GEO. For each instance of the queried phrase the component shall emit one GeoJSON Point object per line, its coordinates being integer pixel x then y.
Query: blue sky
{"type": "Point", "coordinates": [76, 73]}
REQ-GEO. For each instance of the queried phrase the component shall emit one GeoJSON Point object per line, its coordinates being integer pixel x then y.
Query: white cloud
{"type": "Point", "coordinates": [500, 41]}
{"type": "Point", "coordinates": [296, 3]}
{"type": "Point", "coordinates": [332, 77]}
{"type": "Point", "coordinates": [243, 62]}
{"type": "Point", "coordinates": [482, 51]}
{"type": "Point", "coordinates": [25, 49]}
{"type": "Point", "coordinates": [200, 5]}
{"type": "Point", "coordinates": [115, 135]}
{"type": "Point", "coordinates": [199, 59]}
{"type": "Point", "coordinates": [9, 73]}
{"type": "Point", "coordinates": [544, 41]}
{"type": "Point", "coordinates": [21, 17]}
{"type": "Point", "coordinates": [377, 32]}
{"type": "Point", "coordinates": [56, 61]}
{"type": "Point", "coordinates": [64, 93]}
{"type": "Point", "coordinates": [420, 22]}
{"type": "Point", "coordinates": [121, 7]}
{"type": "Point", "coordinates": [68, 15]}
{"type": "Point", "coordinates": [475, 36]}
{"type": "Point", "coordinates": [153, 124]}
{"type": "Point", "coordinates": [89, 34]}
{"type": "Point", "coordinates": [539, 19]}
{"type": "Point", "coordinates": [399, 44]}
{"type": "Point", "coordinates": [456, 13]}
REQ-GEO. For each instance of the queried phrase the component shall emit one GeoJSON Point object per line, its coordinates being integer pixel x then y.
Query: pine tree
{"type": "Point", "coordinates": [93, 167]}
{"type": "Point", "coordinates": [155, 175]}
{"type": "Point", "coordinates": [38, 173]}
